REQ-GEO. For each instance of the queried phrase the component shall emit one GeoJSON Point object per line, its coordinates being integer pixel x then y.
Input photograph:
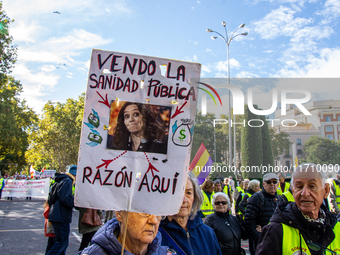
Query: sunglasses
{"type": "Point", "coordinates": [269, 182]}
{"type": "Point", "coordinates": [317, 247]}
{"type": "Point", "coordinates": [148, 215]}
{"type": "Point", "coordinates": [220, 202]}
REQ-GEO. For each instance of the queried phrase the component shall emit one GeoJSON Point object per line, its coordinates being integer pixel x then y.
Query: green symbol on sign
{"type": "Point", "coordinates": [182, 136]}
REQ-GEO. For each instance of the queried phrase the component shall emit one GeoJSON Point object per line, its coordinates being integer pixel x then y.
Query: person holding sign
{"type": "Point", "coordinates": [138, 129]}
{"type": "Point", "coordinates": [185, 232]}
{"type": "Point", "coordinates": [141, 236]}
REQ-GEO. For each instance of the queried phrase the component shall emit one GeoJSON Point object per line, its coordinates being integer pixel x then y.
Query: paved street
{"type": "Point", "coordinates": [22, 228]}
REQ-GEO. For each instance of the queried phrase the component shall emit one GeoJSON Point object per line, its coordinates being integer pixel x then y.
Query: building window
{"type": "Point", "coordinates": [328, 118]}
{"type": "Point", "coordinates": [299, 152]}
{"type": "Point", "coordinates": [330, 137]}
{"type": "Point", "coordinates": [298, 141]}
{"type": "Point", "coordinates": [329, 128]}
{"type": "Point", "coordinates": [339, 118]}
{"type": "Point", "coordinates": [338, 128]}
{"type": "Point", "coordinates": [288, 163]}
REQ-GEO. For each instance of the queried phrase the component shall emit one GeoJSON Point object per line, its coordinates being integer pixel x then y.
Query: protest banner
{"type": "Point", "coordinates": [26, 188]}
{"type": "Point", "coordinates": [137, 131]}
{"type": "Point", "coordinates": [48, 173]}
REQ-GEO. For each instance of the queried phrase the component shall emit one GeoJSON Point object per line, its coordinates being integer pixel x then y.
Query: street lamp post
{"type": "Point", "coordinates": [227, 40]}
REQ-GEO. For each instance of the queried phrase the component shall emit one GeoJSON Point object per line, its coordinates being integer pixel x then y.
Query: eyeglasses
{"type": "Point", "coordinates": [317, 247]}
{"type": "Point", "coordinates": [269, 182]}
{"type": "Point", "coordinates": [148, 215]}
{"type": "Point", "coordinates": [220, 202]}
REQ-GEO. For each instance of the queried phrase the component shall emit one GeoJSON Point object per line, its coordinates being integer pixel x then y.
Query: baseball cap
{"type": "Point", "coordinates": [270, 176]}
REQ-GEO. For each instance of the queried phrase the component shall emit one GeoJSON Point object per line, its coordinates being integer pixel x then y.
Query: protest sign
{"type": "Point", "coordinates": [137, 132]}
{"type": "Point", "coordinates": [48, 173]}
{"type": "Point", "coordinates": [26, 188]}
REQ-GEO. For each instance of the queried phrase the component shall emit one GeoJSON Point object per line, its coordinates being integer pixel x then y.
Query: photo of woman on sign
{"type": "Point", "coordinates": [139, 127]}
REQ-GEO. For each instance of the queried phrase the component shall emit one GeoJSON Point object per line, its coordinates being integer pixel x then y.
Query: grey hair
{"type": "Point", "coordinates": [310, 167]}
{"type": "Point", "coordinates": [282, 175]}
{"type": "Point", "coordinates": [253, 183]}
{"type": "Point", "coordinates": [198, 196]}
{"type": "Point", "coordinates": [223, 195]}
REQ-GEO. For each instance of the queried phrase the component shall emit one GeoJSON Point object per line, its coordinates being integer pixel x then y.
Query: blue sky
{"type": "Point", "coordinates": [287, 38]}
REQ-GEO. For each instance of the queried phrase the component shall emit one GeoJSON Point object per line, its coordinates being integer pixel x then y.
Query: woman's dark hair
{"type": "Point", "coordinates": [153, 128]}
{"type": "Point", "coordinates": [207, 185]}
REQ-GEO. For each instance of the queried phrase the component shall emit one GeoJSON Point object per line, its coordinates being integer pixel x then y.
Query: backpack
{"type": "Point", "coordinates": [53, 195]}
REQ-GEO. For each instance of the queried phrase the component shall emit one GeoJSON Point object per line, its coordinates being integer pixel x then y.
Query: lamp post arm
{"type": "Point", "coordinates": [221, 36]}
{"type": "Point", "coordinates": [231, 38]}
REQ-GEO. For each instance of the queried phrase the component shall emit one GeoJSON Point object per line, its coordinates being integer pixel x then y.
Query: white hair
{"type": "Point", "coordinates": [253, 184]}
{"type": "Point", "coordinates": [223, 195]}
{"type": "Point", "coordinates": [310, 168]}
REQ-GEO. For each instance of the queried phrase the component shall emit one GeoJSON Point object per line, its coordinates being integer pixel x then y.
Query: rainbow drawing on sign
{"type": "Point", "coordinates": [209, 93]}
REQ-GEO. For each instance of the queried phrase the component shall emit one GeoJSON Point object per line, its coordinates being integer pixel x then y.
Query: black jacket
{"type": "Point", "coordinates": [260, 208]}
{"type": "Point", "coordinates": [244, 200]}
{"type": "Point", "coordinates": [271, 239]}
{"type": "Point", "coordinates": [230, 245]}
{"type": "Point", "coordinates": [61, 211]}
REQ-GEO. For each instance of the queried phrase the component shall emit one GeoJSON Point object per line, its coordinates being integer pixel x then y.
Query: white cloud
{"type": "Point", "coordinates": [326, 65]}
{"type": "Point", "coordinates": [280, 22]}
{"type": "Point", "coordinates": [24, 32]}
{"type": "Point", "coordinates": [77, 39]}
{"type": "Point", "coordinates": [245, 74]}
{"type": "Point", "coordinates": [331, 11]}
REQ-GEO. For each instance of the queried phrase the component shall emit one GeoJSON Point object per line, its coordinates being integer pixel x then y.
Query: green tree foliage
{"type": "Point", "coordinates": [7, 50]}
{"type": "Point", "coordinates": [55, 143]}
{"type": "Point", "coordinates": [15, 121]}
{"type": "Point", "coordinates": [204, 133]}
{"type": "Point", "coordinates": [268, 158]}
{"type": "Point", "coordinates": [280, 142]}
{"type": "Point", "coordinates": [251, 142]}
{"type": "Point", "coordinates": [320, 150]}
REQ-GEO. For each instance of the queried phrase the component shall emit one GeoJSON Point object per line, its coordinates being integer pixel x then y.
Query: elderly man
{"type": "Point", "coordinates": [334, 196]}
{"type": "Point", "coordinates": [283, 185]}
{"type": "Point", "coordinates": [303, 227]}
{"type": "Point", "coordinates": [260, 208]}
{"type": "Point", "coordinates": [227, 189]}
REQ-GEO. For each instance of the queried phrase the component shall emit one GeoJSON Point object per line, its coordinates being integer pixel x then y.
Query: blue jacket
{"type": "Point", "coordinates": [200, 239]}
{"type": "Point", "coordinates": [61, 211]}
{"type": "Point", "coordinates": [105, 242]}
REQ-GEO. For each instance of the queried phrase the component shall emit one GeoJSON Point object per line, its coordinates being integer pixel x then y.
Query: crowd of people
{"type": "Point", "coordinates": [276, 216]}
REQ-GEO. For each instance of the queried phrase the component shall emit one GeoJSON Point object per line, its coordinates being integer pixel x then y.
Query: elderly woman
{"type": "Point", "coordinates": [142, 236]}
{"type": "Point", "coordinates": [226, 226]}
{"type": "Point", "coordinates": [254, 186]}
{"type": "Point", "coordinates": [207, 191]}
{"type": "Point", "coordinates": [185, 232]}
{"type": "Point", "coordinates": [138, 129]}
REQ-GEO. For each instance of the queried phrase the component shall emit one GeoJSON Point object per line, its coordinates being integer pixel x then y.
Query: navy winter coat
{"type": "Point", "coordinates": [200, 239]}
{"type": "Point", "coordinates": [61, 211]}
{"type": "Point", "coordinates": [105, 242]}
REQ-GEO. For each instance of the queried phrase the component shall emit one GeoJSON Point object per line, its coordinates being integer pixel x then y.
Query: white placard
{"type": "Point", "coordinates": [138, 103]}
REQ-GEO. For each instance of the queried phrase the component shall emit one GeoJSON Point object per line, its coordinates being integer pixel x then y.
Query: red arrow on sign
{"type": "Point", "coordinates": [106, 163]}
{"type": "Point", "coordinates": [178, 111]}
{"type": "Point", "coordinates": [105, 101]}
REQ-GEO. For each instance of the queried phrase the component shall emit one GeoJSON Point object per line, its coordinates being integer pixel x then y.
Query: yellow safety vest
{"type": "Point", "coordinates": [286, 188]}
{"type": "Point", "coordinates": [226, 188]}
{"type": "Point", "coordinates": [337, 194]}
{"type": "Point", "coordinates": [239, 189]}
{"type": "Point", "coordinates": [207, 207]}
{"type": "Point", "coordinates": [1, 182]}
{"type": "Point", "coordinates": [289, 196]}
{"type": "Point", "coordinates": [291, 241]}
